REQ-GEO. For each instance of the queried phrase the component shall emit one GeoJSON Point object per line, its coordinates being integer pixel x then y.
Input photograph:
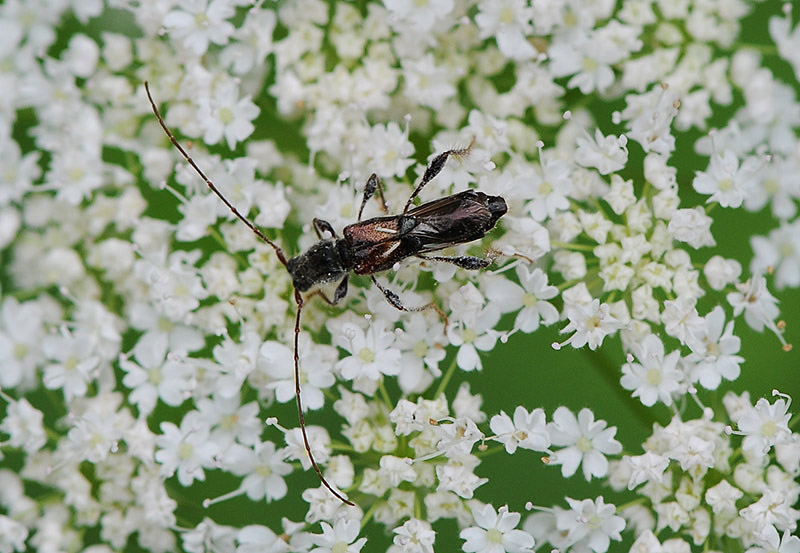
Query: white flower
{"type": "Point", "coordinates": [720, 272]}
{"type": "Point", "coordinates": [531, 295]}
{"type": "Point", "coordinates": [372, 353]}
{"type": "Point", "coordinates": [339, 538]}
{"type": "Point", "coordinates": [527, 430]}
{"type": "Point", "coordinates": [318, 440]}
{"type": "Point", "coordinates": [421, 344]}
{"type": "Point", "coordinates": [224, 114]}
{"type": "Point", "coordinates": [495, 532]}
{"type": "Point", "coordinates": [764, 426]}
{"type": "Point", "coordinates": [772, 542]}
{"type": "Point", "coordinates": [648, 467]}
{"type": "Point", "coordinates": [591, 322]}
{"type": "Point", "coordinates": [262, 467]}
{"type": "Point", "coordinates": [390, 150]}
{"type": "Point", "coordinates": [725, 180]}
{"type": "Point", "coordinates": [714, 352]}
{"type": "Point", "coordinates": [759, 306]}
{"type": "Point", "coordinates": [74, 363]}
{"type": "Point", "coordinates": [692, 226]}
{"type": "Point", "coordinates": [316, 371]}
{"type": "Point", "coordinates": [681, 320]}
{"type": "Point", "coordinates": [395, 470]}
{"type": "Point", "coordinates": [655, 377]}
{"type": "Point", "coordinates": [426, 83]}
{"type": "Point", "coordinates": [509, 21]}
{"type": "Point", "coordinates": [470, 337]}
{"type": "Point", "coordinates": [21, 331]}
{"type": "Point", "coordinates": [779, 252]}
{"type": "Point", "coordinates": [186, 449]}
{"type": "Point", "coordinates": [586, 441]}
{"type": "Point", "coordinates": [200, 21]}
{"type": "Point", "coordinates": [155, 375]}
{"type": "Point", "coordinates": [458, 477]}
{"type": "Point", "coordinates": [414, 536]}
{"type": "Point", "coordinates": [722, 498]}
{"type": "Point", "coordinates": [419, 17]}
{"type": "Point", "coordinates": [605, 153]}
{"type": "Point", "coordinates": [23, 423]}
{"type": "Point", "coordinates": [12, 535]}
{"type": "Point", "coordinates": [650, 118]}
{"type": "Point", "coordinates": [95, 435]}
{"type": "Point", "coordinates": [591, 523]}
{"type": "Point", "coordinates": [457, 437]}
{"type": "Point", "coordinates": [774, 507]}
{"type": "Point", "coordinates": [255, 538]}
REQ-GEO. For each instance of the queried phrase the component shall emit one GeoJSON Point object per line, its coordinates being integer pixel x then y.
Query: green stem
{"type": "Point", "coordinates": [446, 378]}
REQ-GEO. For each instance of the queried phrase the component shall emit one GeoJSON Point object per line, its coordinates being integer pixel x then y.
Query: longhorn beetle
{"type": "Point", "coordinates": [374, 245]}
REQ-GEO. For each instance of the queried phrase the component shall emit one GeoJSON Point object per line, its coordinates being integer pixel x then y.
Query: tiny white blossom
{"type": "Point", "coordinates": [527, 430]}
{"type": "Point", "coordinates": [605, 153]}
{"type": "Point", "coordinates": [654, 377]}
{"type": "Point", "coordinates": [765, 425]}
{"type": "Point", "coordinates": [186, 450]}
{"type": "Point", "coordinates": [584, 441]}
{"type": "Point", "coordinates": [339, 538]}
{"type": "Point", "coordinates": [372, 353]}
{"type": "Point", "coordinates": [769, 541]}
{"type": "Point", "coordinates": [714, 352]}
{"type": "Point", "coordinates": [759, 306]}
{"type": "Point", "coordinates": [509, 21]}
{"type": "Point", "coordinates": [591, 323]}
{"type": "Point", "coordinates": [225, 114]}
{"type": "Point", "coordinates": [692, 226]}
{"type": "Point", "coordinates": [414, 536]}
{"type": "Point", "coordinates": [198, 22]}
{"type": "Point", "coordinates": [725, 180]}
{"type": "Point", "coordinates": [495, 532]}
{"type": "Point", "coordinates": [591, 523]}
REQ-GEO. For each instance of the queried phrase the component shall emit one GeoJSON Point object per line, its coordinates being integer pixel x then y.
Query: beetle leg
{"type": "Point", "coordinates": [464, 261]}
{"type": "Point", "coordinates": [394, 301]}
{"type": "Point", "coordinates": [341, 291]}
{"type": "Point", "coordinates": [321, 226]}
{"type": "Point", "coordinates": [373, 183]}
{"type": "Point", "coordinates": [435, 168]}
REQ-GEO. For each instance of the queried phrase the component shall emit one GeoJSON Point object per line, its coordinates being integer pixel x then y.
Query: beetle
{"type": "Point", "coordinates": [373, 245]}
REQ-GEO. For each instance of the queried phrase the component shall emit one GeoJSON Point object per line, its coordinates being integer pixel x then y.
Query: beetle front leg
{"type": "Point", "coordinates": [373, 184]}
{"type": "Point", "coordinates": [321, 226]}
{"type": "Point", "coordinates": [436, 167]}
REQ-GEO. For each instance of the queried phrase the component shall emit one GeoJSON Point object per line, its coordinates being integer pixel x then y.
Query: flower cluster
{"type": "Point", "coordinates": [148, 338]}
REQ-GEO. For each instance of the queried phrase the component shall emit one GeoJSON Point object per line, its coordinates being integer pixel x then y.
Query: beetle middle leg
{"type": "Point", "coordinates": [341, 292]}
{"type": "Point", "coordinates": [394, 301]}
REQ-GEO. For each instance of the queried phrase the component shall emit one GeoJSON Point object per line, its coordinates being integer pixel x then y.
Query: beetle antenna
{"type": "Point", "coordinates": [299, 301]}
{"type": "Point", "coordinates": [214, 189]}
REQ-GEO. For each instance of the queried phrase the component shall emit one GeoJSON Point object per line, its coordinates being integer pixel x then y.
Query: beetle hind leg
{"type": "Point", "coordinates": [394, 301]}
{"type": "Point", "coordinates": [467, 262]}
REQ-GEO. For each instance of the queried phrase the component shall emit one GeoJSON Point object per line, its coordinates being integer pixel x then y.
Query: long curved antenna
{"type": "Point", "coordinates": [214, 189]}
{"type": "Point", "coordinates": [298, 299]}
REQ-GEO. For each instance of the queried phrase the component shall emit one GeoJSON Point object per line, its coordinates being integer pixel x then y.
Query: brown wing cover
{"type": "Point", "coordinates": [378, 244]}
